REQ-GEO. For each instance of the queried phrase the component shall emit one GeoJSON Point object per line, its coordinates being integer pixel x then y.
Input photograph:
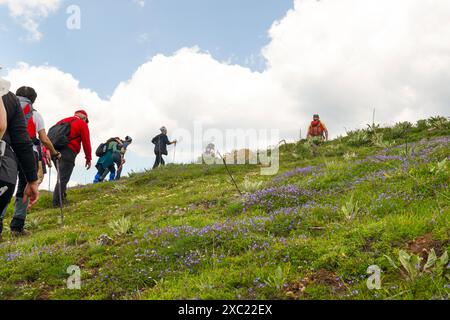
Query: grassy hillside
{"type": "Point", "coordinates": [311, 232]}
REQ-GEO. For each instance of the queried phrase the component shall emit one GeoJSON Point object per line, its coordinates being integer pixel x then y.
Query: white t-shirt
{"type": "Point", "coordinates": [40, 125]}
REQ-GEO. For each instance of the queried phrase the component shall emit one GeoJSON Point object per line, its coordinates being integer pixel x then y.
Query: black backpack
{"type": "Point", "coordinates": [59, 134]}
{"type": "Point", "coordinates": [101, 149]}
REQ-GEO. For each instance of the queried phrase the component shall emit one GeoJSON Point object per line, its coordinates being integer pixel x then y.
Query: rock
{"type": "Point", "coordinates": [105, 240]}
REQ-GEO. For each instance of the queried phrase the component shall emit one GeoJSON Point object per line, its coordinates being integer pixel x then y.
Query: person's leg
{"type": "Point", "coordinates": [157, 160]}
{"type": "Point", "coordinates": [104, 174]}
{"type": "Point", "coordinates": [112, 170]}
{"type": "Point", "coordinates": [163, 163]}
{"type": "Point", "coordinates": [66, 166]}
{"type": "Point", "coordinates": [99, 176]}
{"type": "Point", "coordinates": [117, 159]}
{"type": "Point", "coordinates": [6, 193]}
{"type": "Point", "coordinates": [2, 217]}
{"type": "Point", "coordinates": [20, 207]}
{"type": "Point", "coordinates": [119, 173]}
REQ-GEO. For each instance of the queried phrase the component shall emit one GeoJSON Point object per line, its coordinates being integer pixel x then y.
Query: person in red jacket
{"type": "Point", "coordinates": [79, 135]}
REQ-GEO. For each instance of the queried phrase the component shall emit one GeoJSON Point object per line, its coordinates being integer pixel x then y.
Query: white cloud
{"type": "Point", "coordinates": [338, 58]}
{"type": "Point", "coordinates": [344, 58]}
{"type": "Point", "coordinates": [27, 13]}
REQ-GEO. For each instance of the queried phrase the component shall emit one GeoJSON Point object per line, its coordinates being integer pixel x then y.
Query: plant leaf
{"type": "Point", "coordinates": [392, 262]}
{"type": "Point", "coordinates": [444, 259]}
{"type": "Point", "coordinates": [432, 258]}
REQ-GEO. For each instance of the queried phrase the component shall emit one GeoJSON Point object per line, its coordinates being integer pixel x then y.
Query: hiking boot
{"type": "Point", "coordinates": [20, 234]}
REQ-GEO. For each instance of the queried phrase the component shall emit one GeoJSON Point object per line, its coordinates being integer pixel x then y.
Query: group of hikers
{"type": "Point", "coordinates": [27, 149]}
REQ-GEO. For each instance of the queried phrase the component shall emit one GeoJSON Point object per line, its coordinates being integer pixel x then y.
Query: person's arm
{"type": "Point", "coordinates": [48, 157]}
{"type": "Point", "coordinates": [48, 144]}
{"type": "Point", "coordinates": [3, 119]}
{"type": "Point", "coordinates": [86, 140]}
{"type": "Point", "coordinates": [168, 142]}
{"type": "Point", "coordinates": [40, 128]}
{"type": "Point", "coordinates": [325, 130]}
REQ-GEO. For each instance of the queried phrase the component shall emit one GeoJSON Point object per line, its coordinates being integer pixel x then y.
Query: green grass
{"type": "Point", "coordinates": [183, 231]}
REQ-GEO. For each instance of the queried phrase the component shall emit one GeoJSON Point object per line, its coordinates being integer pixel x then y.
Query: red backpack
{"type": "Point", "coordinates": [317, 129]}
{"type": "Point", "coordinates": [28, 111]}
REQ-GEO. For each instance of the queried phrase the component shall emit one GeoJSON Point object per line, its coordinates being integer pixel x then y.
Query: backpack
{"type": "Point", "coordinates": [317, 130]}
{"type": "Point", "coordinates": [104, 147]}
{"type": "Point", "coordinates": [59, 134]}
{"type": "Point", "coordinates": [28, 111]}
{"type": "Point", "coordinates": [101, 150]}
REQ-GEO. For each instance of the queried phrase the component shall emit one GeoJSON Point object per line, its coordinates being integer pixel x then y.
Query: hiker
{"type": "Point", "coordinates": [317, 129]}
{"type": "Point", "coordinates": [36, 131]}
{"type": "Point", "coordinates": [109, 153]}
{"type": "Point", "coordinates": [161, 142]}
{"type": "Point", "coordinates": [67, 136]}
{"type": "Point", "coordinates": [16, 151]}
{"type": "Point", "coordinates": [125, 144]}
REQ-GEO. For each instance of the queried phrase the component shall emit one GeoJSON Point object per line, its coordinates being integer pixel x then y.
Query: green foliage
{"type": "Point", "coordinates": [278, 279]}
{"type": "Point", "coordinates": [358, 138]}
{"type": "Point", "coordinates": [121, 227]}
{"type": "Point", "coordinates": [350, 209]}
{"type": "Point", "coordinates": [413, 266]}
{"type": "Point", "coordinates": [440, 167]}
{"type": "Point", "coordinates": [251, 186]}
{"type": "Point", "coordinates": [439, 123]}
{"type": "Point", "coordinates": [184, 232]}
{"type": "Point", "coordinates": [401, 129]}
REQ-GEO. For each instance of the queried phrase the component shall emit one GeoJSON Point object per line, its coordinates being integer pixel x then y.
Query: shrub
{"type": "Point", "coordinates": [439, 123]}
{"type": "Point", "coordinates": [121, 227]}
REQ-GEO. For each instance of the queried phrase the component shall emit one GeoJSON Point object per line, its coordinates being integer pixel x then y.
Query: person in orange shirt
{"type": "Point", "coordinates": [317, 129]}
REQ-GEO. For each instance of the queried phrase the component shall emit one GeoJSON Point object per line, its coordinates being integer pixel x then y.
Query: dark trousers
{"type": "Point", "coordinates": [104, 172]}
{"type": "Point", "coordinates": [6, 193]}
{"type": "Point", "coordinates": [159, 160]}
{"type": "Point", "coordinates": [65, 169]}
{"type": "Point", "coordinates": [21, 208]}
{"type": "Point", "coordinates": [119, 173]}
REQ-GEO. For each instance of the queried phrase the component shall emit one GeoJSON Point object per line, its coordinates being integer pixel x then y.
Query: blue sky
{"type": "Point", "coordinates": [116, 37]}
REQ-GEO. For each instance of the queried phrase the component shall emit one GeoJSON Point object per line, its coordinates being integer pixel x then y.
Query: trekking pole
{"type": "Point", "coordinates": [229, 173]}
{"type": "Point", "coordinates": [174, 152]}
{"type": "Point", "coordinates": [60, 192]}
{"type": "Point", "coordinates": [49, 179]}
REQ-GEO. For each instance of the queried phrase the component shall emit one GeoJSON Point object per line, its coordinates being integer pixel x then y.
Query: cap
{"type": "Point", "coordinates": [85, 114]}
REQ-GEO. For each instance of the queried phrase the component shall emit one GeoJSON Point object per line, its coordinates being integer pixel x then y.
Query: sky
{"type": "Point", "coordinates": [249, 64]}
{"type": "Point", "coordinates": [116, 37]}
